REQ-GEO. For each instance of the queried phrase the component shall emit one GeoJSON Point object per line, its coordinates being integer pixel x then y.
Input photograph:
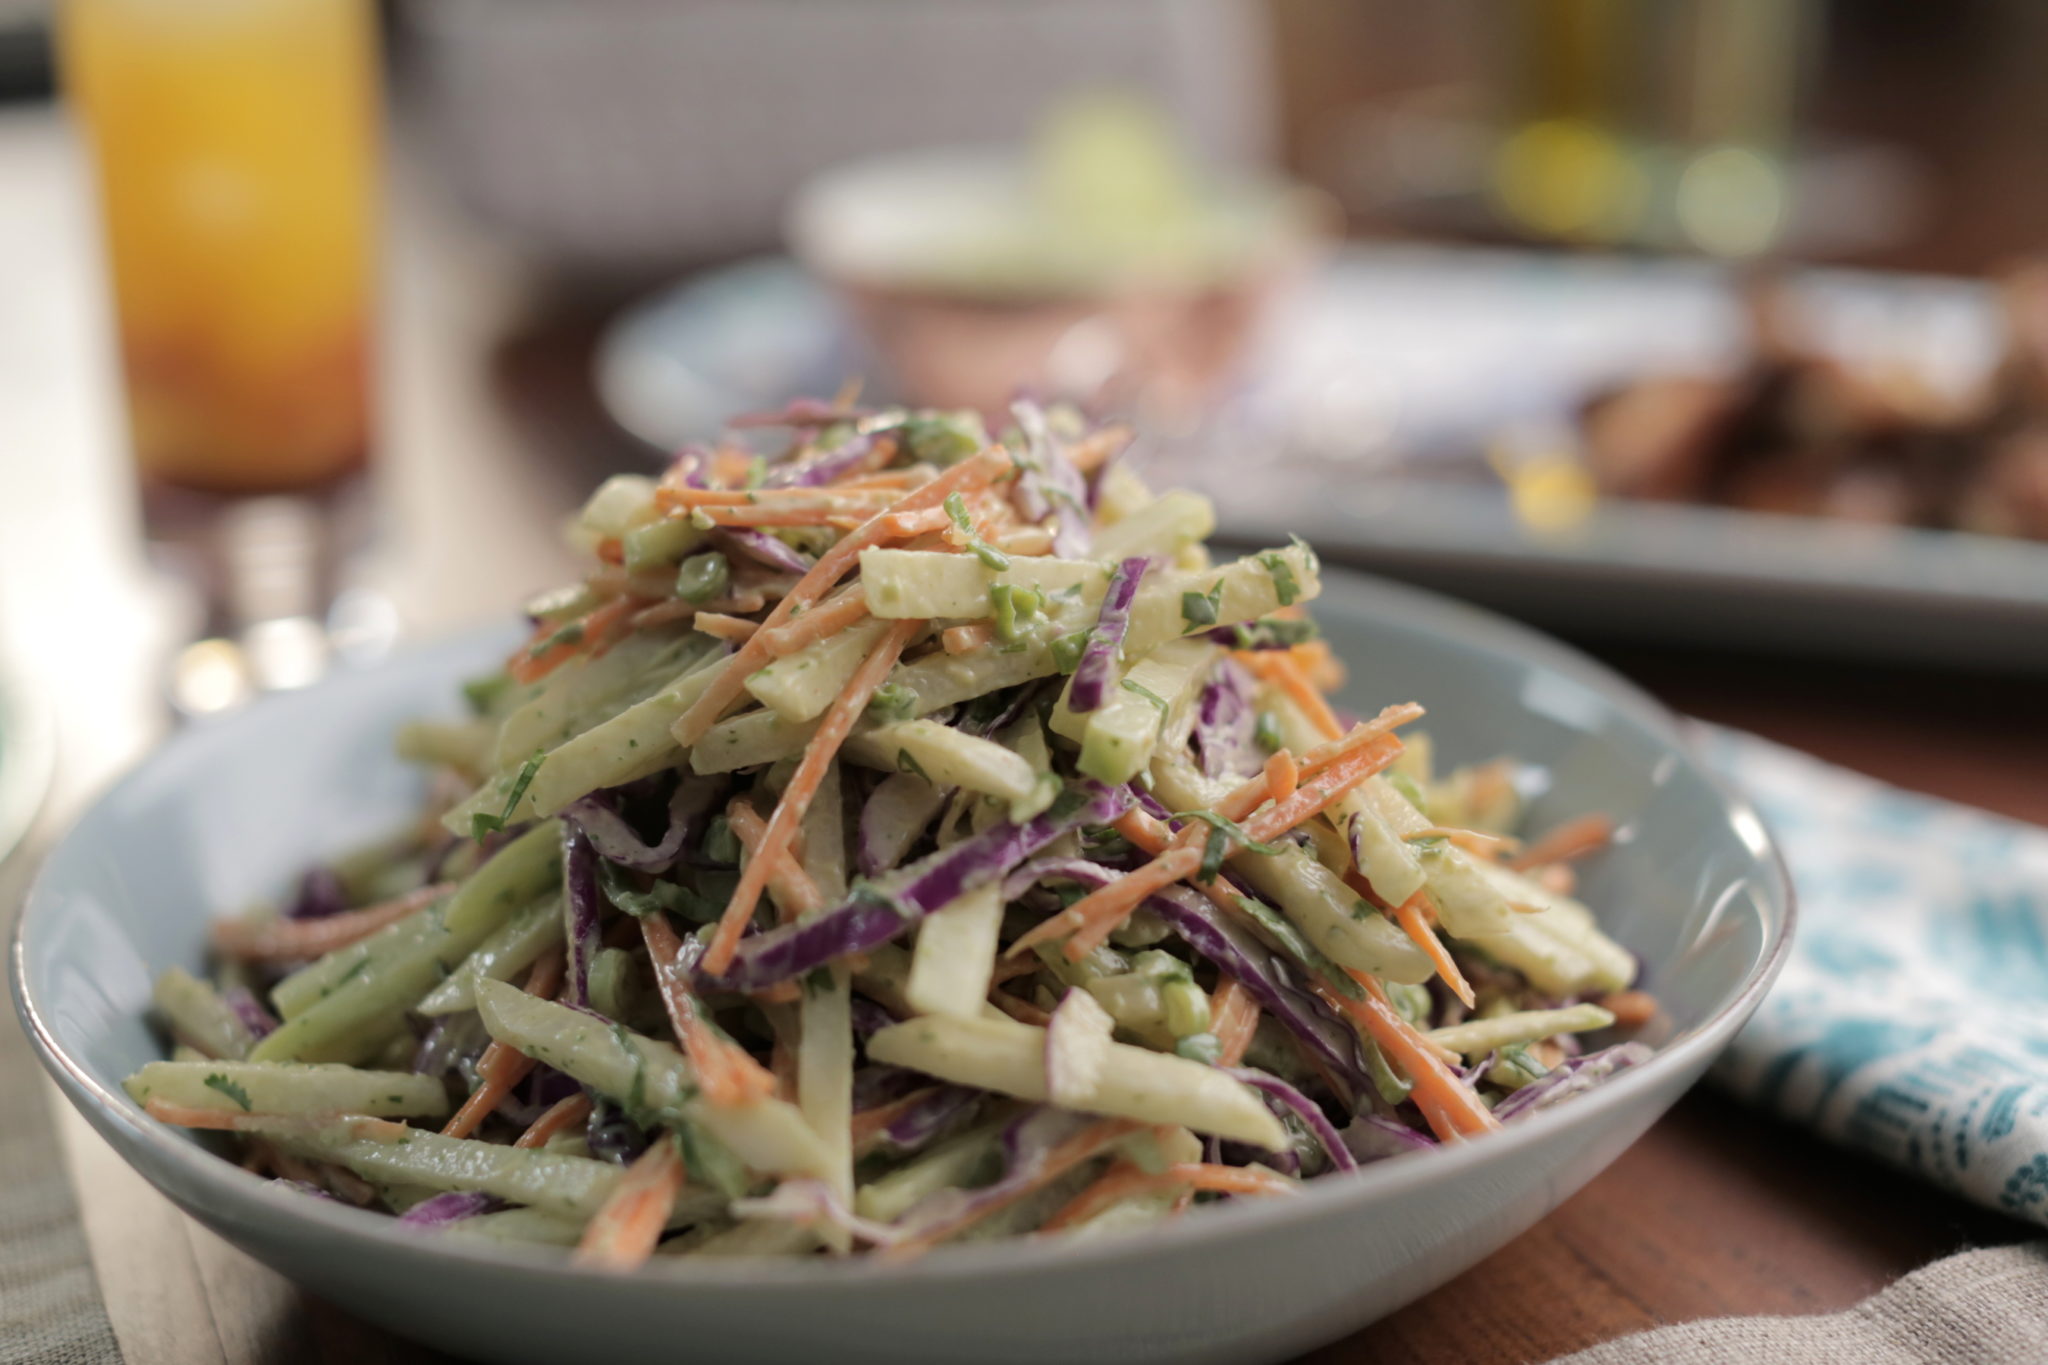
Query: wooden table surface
{"type": "Point", "coordinates": [1716, 1211]}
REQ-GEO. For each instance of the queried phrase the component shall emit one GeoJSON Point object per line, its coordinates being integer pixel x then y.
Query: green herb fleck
{"type": "Point", "coordinates": [227, 1087]}
{"type": "Point", "coordinates": [1199, 609]}
{"type": "Point", "coordinates": [1519, 1065]}
{"type": "Point", "coordinates": [943, 438]}
{"type": "Point", "coordinates": [618, 888]}
{"type": "Point", "coordinates": [1225, 831]}
{"type": "Point", "coordinates": [892, 702]}
{"type": "Point", "coordinates": [906, 762]}
{"type": "Point", "coordinates": [1393, 1087]}
{"type": "Point", "coordinates": [481, 824]}
{"type": "Point", "coordinates": [700, 578]}
{"type": "Point", "coordinates": [864, 892]}
{"type": "Point", "coordinates": [1266, 732]}
{"type": "Point", "coordinates": [1272, 633]}
{"type": "Point", "coordinates": [1013, 607]}
{"type": "Point", "coordinates": [571, 634]}
{"type": "Point", "coordinates": [1285, 587]}
{"type": "Point", "coordinates": [1158, 702]}
{"type": "Point", "coordinates": [721, 845]}
{"type": "Point", "coordinates": [1069, 802]}
{"type": "Point", "coordinates": [483, 693]}
{"type": "Point", "coordinates": [1281, 931]}
{"type": "Point", "coordinates": [1409, 788]}
{"type": "Point", "coordinates": [989, 555]}
{"type": "Point", "coordinates": [1067, 650]}
{"type": "Point", "coordinates": [710, 1161]}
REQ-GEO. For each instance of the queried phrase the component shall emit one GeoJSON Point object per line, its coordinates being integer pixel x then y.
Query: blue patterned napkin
{"type": "Point", "coordinates": [1911, 1021]}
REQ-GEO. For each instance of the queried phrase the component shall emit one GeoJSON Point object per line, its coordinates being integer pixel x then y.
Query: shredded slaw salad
{"type": "Point", "coordinates": [911, 838]}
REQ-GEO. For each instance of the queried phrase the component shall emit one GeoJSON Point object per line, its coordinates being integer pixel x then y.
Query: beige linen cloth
{"type": "Point", "coordinates": [1986, 1307]}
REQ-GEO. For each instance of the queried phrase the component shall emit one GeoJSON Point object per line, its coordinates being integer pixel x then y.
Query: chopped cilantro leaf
{"type": "Point", "coordinates": [227, 1087]}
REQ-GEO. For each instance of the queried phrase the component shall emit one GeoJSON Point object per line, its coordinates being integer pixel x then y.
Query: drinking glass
{"type": "Point", "coordinates": [235, 143]}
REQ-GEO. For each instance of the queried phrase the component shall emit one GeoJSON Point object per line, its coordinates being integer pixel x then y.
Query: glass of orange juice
{"type": "Point", "coordinates": [236, 149]}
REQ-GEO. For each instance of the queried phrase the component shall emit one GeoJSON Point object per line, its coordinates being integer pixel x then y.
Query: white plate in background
{"type": "Point", "coordinates": [1375, 384]}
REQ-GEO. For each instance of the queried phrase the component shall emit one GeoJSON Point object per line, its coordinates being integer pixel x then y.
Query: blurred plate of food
{"type": "Point", "coordinates": [1826, 460]}
{"type": "Point", "coordinates": [1099, 257]}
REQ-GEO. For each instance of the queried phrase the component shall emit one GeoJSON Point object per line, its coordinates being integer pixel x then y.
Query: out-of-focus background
{"type": "Point", "coordinates": [1707, 325]}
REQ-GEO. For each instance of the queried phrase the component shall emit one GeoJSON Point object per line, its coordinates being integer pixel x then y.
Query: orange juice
{"type": "Point", "coordinates": [235, 143]}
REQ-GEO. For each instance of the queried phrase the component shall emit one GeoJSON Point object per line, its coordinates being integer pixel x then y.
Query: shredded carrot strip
{"type": "Point", "coordinates": [1323, 788]}
{"type": "Point", "coordinates": [501, 1067]}
{"type": "Point", "coordinates": [779, 515]}
{"type": "Point", "coordinates": [682, 609]}
{"type": "Point", "coordinates": [832, 731]}
{"type": "Point", "coordinates": [827, 618]}
{"type": "Point", "coordinates": [794, 891]}
{"type": "Point", "coordinates": [1147, 834]}
{"type": "Point", "coordinates": [1471, 840]}
{"type": "Point", "coordinates": [719, 626]}
{"type": "Point", "coordinates": [563, 1114]}
{"type": "Point", "coordinates": [1096, 449]}
{"type": "Point", "coordinates": [1451, 1107]}
{"type": "Point", "coordinates": [1096, 915]}
{"type": "Point", "coordinates": [1233, 1018]}
{"type": "Point", "coordinates": [1282, 776]}
{"type": "Point", "coordinates": [1284, 671]}
{"type": "Point", "coordinates": [968, 638]}
{"type": "Point", "coordinates": [1319, 664]}
{"type": "Point", "coordinates": [730, 466]}
{"type": "Point", "coordinates": [525, 666]}
{"type": "Point", "coordinates": [544, 978]}
{"type": "Point", "coordinates": [1125, 1181]}
{"type": "Point", "coordinates": [1085, 1145]}
{"type": "Point", "coordinates": [595, 633]}
{"type": "Point", "coordinates": [1631, 1009]}
{"type": "Point", "coordinates": [192, 1116]}
{"type": "Point", "coordinates": [868, 1125]}
{"type": "Point", "coordinates": [1109, 905]}
{"type": "Point", "coordinates": [670, 498]}
{"type": "Point", "coordinates": [1572, 839]}
{"type": "Point", "coordinates": [888, 478]}
{"type": "Point", "coordinates": [286, 940]}
{"type": "Point", "coordinates": [1121, 1181]}
{"type": "Point", "coordinates": [234, 1120]}
{"type": "Point", "coordinates": [497, 1071]}
{"type": "Point", "coordinates": [728, 1073]}
{"type": "Point", "coordinates": [832, 566]}
{"type": "Point", "coordinates": [608, 625]}
{"type": "Point", "coordinates": [903, 525]}
{"type": "Point", "coordinates": [623, 1233]}
{"type": "Point", "coordinates": [1412, 916]}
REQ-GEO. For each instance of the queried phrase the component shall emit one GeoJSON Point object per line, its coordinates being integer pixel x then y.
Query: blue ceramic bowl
{"type": "Point", "coordinates": [226, 813]}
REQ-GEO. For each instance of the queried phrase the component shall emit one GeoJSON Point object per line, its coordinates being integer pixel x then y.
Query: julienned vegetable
{"type": "Point", "coordinates": [902, 839]}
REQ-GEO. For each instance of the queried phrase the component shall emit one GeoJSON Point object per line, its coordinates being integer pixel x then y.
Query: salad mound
{"type": "Point", "coordinates": [906, 838]}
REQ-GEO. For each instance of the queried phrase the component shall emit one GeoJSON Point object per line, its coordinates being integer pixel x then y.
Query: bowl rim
{"type": "Point", "coordinates": [250, 1199]}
